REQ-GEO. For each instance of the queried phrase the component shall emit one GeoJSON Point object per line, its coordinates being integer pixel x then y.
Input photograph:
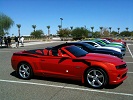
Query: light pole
{"type": "Point", "coordinates": [61, 21]}
{"type": "Point", "coordinates": [18, 25]}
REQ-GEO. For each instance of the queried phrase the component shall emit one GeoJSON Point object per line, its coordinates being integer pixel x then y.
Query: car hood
{"type": "Point", "coordinates": [110, 48]}
{"type": "Point", "coordinates": [117, 43]}
{"type": "Point", "coordinates": [114, 45]}
{"type": "Point", "coordinates": [102, 58]}
{"type": "Point", "coordinates": [98, 50]}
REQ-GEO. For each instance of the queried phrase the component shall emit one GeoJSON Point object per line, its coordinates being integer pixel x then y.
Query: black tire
{"type": "Point", "coordinates": [96, 78]}
{"type": "Point", "coordinates": [24, 71]}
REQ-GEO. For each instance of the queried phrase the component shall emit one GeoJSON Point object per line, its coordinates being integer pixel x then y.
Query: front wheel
{"type": "Point", "coordinates": [96, 77]}
{"type": "Point", "coordinates": [24, 71]}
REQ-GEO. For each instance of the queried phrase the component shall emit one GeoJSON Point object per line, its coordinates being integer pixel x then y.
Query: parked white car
{"type": "Point", "coordinates": [99, 46]}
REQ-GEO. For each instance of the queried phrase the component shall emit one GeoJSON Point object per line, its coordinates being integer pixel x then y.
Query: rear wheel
{"type": "Point", "coordinates": [25, 71]}
{"type": "Point", "coordinates": [96, 77]}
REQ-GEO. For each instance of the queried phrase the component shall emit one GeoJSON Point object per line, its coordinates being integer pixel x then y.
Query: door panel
{"type": "Point", "coordinates": [62, 67]}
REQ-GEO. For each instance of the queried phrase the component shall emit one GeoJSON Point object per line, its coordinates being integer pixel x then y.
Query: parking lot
{"type": "Point", "coordinates": [42, 88]}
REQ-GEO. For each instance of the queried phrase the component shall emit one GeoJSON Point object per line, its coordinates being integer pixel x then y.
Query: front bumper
{"type": "Point", "coordinates": [118, 76]}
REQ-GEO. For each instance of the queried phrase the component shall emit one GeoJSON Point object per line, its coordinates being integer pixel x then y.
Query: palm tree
{"type": "Point", "coordinates": [48, 31]}
{"type": "Point", "coordinates": [61, 21]}
{"type": "Point", "coordinates": [12, 35]}
{"type": "Point", "coordinates": [59, 27]}
{"type": "Point", "coordinates": [71, 27]}
{"type": "Point", "coordinates": [118, 30]}
{"type": "Point", "coordinates": [101, 29]}
{"type": "Point", "coordinates": [127, 28]}
{"type": "Point", "coordinates": [85, 26]}
{"type": "Point", "coordinates": [92, 28]}
{"type": "Point", "coordinates": [110, 29]}
{"type": "Point", "coordinates": [34, 27]}
{"type": "Point", "coordinates": [19, 25]}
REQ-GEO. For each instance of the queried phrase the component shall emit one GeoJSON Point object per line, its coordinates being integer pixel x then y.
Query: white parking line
{"type": "Point", "coordinates": [129, 50]}
{"type": "Point", "coordinates": [130, 72]}
{"type": "Point", "coordinates": [127, 56]}
{"type": "Point", "coordinates": [129, 62]}
{"type": "Point", "coordinates": [129, 44]}
{"type": "Point", "coordinates": [65, 87]}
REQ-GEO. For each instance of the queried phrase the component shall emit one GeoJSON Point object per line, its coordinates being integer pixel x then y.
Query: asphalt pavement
{"type": "Point", "coordinates": [42, 88]}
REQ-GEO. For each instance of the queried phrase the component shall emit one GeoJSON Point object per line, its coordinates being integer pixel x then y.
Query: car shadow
{"type": "Point", "coordinates": [66, 81]}
{"type": "Point", "coordinates": [112, 86]}
{"type": "Point", "coordinates": [14, 74]}
{"type": "Point", "coordinates": [51, 79]}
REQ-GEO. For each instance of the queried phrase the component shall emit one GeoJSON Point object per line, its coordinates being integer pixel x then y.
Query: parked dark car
{"type": "Point", "coordinates": [87, 47]}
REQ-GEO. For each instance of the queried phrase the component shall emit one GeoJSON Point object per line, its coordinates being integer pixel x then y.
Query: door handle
{"type": "Point", "coordinates": [77, 66]}
{"type": "Point", "coordinates": [42, 60]}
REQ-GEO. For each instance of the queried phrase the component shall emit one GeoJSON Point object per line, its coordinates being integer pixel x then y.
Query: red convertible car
{"type": "Point", "coordinates": [71, 62]}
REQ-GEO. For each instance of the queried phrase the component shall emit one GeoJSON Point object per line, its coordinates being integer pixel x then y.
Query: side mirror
{"type": "Point", "coordinates": [95, 45]}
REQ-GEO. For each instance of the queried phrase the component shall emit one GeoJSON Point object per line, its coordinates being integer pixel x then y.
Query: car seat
{"type": "Point", "coordinates": [59, 53]}
{"type": "Point", "coordinates": [50, 53]}
{"type": "Point", "coordinates": [45, 51]}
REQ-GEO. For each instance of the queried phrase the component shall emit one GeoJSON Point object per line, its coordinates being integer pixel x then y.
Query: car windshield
{"type": "Point", "coordinates": [90, 47]}
{"type": "Point", "coordinates": [105, 41]}
{"type": "Point", "coordinates": [100, 43]}
{"type": "Point", "coordinates": [76, 51]}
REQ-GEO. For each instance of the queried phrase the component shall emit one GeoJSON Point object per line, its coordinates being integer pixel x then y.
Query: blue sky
{"type": "Point", "coordinates": [76, 13]}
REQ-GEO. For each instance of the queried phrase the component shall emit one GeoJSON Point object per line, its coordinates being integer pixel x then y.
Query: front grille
{"type": "Point", "coordinates": [124, 75]}
{"type": "Point", "coordinates": [122, 50]}
{"type": "Point", "coordinates": [121, 66]}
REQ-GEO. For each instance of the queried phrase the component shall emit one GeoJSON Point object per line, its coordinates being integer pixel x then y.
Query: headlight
{"type": "Point", "coordinates": [121, 66]}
